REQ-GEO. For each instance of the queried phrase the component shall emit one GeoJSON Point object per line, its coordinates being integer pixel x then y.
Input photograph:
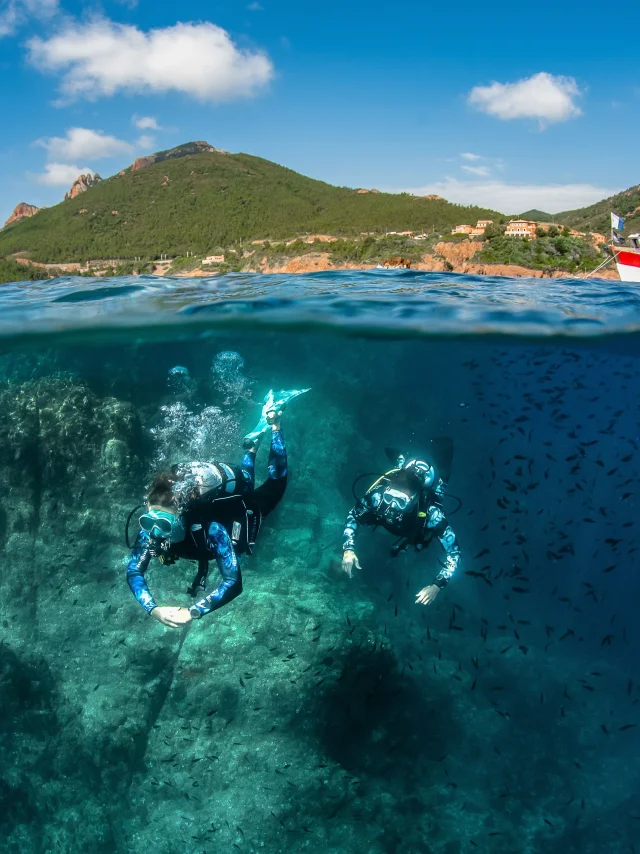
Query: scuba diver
{"type": "Point", "coordinates": [204, 511]}
{"type": "Point", "coordinates": [407, 502]}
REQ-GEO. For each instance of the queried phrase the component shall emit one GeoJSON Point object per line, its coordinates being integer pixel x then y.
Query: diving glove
{"type": "Point", "coordinates": [275, 401]}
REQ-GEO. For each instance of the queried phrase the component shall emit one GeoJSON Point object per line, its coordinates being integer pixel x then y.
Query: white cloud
{"type": "Point", "coordinates": [468, 156]}
{"type": "Point", "coordinates": [83, 142]}
{"type": "Point", "coordinates": [61, 174]}
{"type": "Point", "coordinates": [543, 97]}
{"type": "Point", "coordinates": [255, 7]}
{"type": "Point", "coordinates": [101, 58]}
{"type": "Point", "coordinates": [482, 171]}
{"type": "Point", "coordinates": [145, 123]}
{"type": "Point", "coordinates": [14, 13]}
{"type": "Point", "coordinates": [146, 142]}
{"type": "Point", "coordinates": [516, 198]}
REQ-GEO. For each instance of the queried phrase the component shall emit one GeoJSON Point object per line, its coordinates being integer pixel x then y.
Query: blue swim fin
{"type": "Point", "coordinates": [274, 401]}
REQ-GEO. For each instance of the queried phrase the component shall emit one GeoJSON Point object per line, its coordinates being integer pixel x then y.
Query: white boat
{"type": "Point", "coordinates": [628, 259]}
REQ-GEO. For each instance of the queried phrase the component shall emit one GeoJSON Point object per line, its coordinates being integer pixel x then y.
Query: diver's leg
{"type": "Point", "coordinates": [271, 491]}
{"type": "Point", "coordinates": [277, 465]}
{"type": "Point", "coordinates": [248, 466]}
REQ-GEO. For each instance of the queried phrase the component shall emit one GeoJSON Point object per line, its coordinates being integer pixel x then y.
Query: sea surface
{"type": "Point", "coordinates": [317, 712]}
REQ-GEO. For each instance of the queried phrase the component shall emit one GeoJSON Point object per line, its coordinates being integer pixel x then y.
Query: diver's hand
{"type": "Point", "coordinates": [173, 618]}
{"type": "Point", "coordinates": [427, 595]}
{"type": "Point", "coordinates": [349, 560]}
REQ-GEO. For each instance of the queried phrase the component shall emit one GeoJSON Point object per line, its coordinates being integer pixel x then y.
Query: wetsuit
{"type": "Point", "coordinates": [419, 524]}
{"type": "Point", "coordinates": [211, 541]}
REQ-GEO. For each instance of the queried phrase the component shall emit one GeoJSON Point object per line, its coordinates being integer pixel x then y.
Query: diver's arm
{"type": "Point", "coordinates": [437, 521]}
{"type": "Point", "coordinates": [220, 544]}
{"type": "Point", "coordinates": [358, 515]}
{"type": "Point", "coordinates": [136, 568]}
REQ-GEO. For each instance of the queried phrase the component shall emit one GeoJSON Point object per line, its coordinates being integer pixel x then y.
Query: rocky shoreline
{"type": "Point", "coordinates": [446, 257]}
{"type": "Point", "coordinates": [321, 261]}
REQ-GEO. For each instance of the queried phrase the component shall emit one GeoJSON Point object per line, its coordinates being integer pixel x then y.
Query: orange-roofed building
{"type": "Point", "coordinates": [521, 228]}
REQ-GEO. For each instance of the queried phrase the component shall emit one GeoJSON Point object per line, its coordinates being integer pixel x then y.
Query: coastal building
{"type": "Point", "coordinates": [521, 228]}
{"type": "Point", "coordinates": [213, 259]}
{"type": "Point", "coordinates": [473, 231]}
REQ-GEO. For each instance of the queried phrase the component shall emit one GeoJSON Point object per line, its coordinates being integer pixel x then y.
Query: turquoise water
{"type": "Point", "coordinates": [316, 712]}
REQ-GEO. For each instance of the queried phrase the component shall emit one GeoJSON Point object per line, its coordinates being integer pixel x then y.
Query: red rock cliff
{"type": "Point", "coordinates": [22, 211]}
{"type": "Point", "coordinates": [81, 184]}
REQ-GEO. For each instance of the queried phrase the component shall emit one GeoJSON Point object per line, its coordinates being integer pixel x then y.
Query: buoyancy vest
{"type": "Point", "coordinates": [239, 515]}
{"type": "Point", "coordinates": [411, 526]}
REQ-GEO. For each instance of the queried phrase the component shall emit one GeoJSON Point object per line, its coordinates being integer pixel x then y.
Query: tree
{"type": "Point", "coordinates": [492, 231]}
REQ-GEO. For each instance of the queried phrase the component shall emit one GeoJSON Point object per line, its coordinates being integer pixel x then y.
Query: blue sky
{"type": "Point", "coordinates": [510, 105]}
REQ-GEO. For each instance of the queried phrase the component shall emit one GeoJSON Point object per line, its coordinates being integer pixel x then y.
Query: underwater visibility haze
{"type": "Point", "coordinates": [317, 712]}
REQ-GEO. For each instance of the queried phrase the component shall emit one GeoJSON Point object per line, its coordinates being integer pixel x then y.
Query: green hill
{"type": "Point", "coordinates": [185, 202]}
{"type": "Point", "coordinates": [598, 217]}
{"type": "Point", "coordinates": [536, 216]}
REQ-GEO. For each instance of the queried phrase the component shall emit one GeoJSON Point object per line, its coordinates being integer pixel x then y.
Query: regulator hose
{"type": "Point", "coordinates": [126, 527]}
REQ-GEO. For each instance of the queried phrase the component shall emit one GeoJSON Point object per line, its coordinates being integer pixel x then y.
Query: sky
{"type": "Point", "coordinates": [507, 105]}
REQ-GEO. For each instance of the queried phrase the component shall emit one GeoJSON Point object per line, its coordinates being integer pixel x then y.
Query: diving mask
{"type": "Point", "coordinates": [396, 500]}
{"type": "Point", "coordinates": [160, 524]}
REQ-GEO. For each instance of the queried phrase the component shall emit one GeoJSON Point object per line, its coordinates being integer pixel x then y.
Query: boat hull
{"type": "Point", "coordinates": [628, 264]}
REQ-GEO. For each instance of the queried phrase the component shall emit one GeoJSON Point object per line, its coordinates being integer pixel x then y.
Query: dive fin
{"type": "Point", "coordinates": [441, 451]}
{"type": "Point", "coordinates": [273, 402]}
{"type": "Point", "coordinates": [393, 454]}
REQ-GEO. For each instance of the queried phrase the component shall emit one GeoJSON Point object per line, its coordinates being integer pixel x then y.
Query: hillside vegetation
{"type": "Point", "coordinates": [598, 217]}
{"type": "Point", "coordinates": [11, 271]}
{"type": "Point", "coordinates": [560, 252]}
{"type": "Point", "coordinates": [198, 202]}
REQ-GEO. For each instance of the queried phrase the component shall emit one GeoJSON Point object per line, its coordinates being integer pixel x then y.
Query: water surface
{"type": "Point", "coordinates": [318, 713]}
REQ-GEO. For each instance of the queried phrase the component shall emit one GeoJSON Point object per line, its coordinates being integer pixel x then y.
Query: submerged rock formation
{"type": "Point", "coordinates": [82, 184]}
{"type": "Point", "coordinates": [21, 211]}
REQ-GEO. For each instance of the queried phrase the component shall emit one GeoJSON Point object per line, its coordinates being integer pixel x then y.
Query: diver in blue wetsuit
{"type": "Point", "coordinates": [407, 502]}
{"type": "Point", "coordinates": [208, 511]}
